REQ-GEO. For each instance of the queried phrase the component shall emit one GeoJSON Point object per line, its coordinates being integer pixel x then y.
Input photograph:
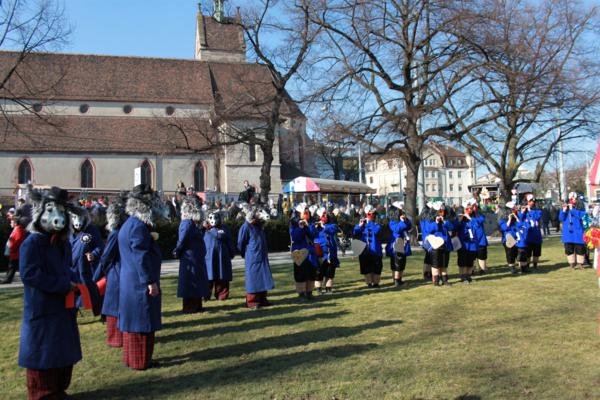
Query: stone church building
{"type": "Point", "coordinates": [87, 122]}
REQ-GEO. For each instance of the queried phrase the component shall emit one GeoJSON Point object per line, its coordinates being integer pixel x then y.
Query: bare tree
{"type": "Point", "coordinates": [395, 65]}
{"type": "Point", "coordinates": [26, 27]}
{"type": "Point", "coordinates": [541, 77]}
{"type": "Point", "coordinates": [334, 144]}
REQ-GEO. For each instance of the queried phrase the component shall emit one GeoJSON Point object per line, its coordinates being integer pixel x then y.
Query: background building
{"type": "Point", "coordinates": [85, 122]}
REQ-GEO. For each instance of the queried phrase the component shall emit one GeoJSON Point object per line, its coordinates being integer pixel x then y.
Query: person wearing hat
{"type": "Point", "coordinates": [192, 285]}
{"type": "Point", "coordinates": [370, 260]}
{"type": "Point", "coordinates": [532, 217]}
{"type": "Point", "coordinates": [478, 228]}
{"type": "Point", "coordinates": [399, 226]}
{"type": "Point", "coordinates": [325, 232]}
{"type": "Point", "coordinates": [571, 217]}
{"type": "Point", "coordinates": [252, 245]}
{"type": "Point", "coordinates": [109, 267]}
{"type": "Point", "coordinates": [220, 250]}
{"type": "Point", "coordinates": [438, 243]}
{"type": "Point", "coordinates": [18, 223]}
{"type": "Point", "coordinates": [512, 230]}
{"type": "Point", "coordinates": [305, 271]}
{"type": "Point", "coordinates": [49, 344]}
{"type": "Point", "coordinates": [139, 280]}
{"type": "Point", "coordinates": [427, 215]}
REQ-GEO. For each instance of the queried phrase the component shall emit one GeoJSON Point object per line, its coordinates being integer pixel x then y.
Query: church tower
{"type": "Point", "coordinates": [219, 38]}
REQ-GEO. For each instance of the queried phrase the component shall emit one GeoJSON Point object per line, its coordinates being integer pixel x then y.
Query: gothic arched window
{"type": "Point", "coordinates": [24, 172]}
{"type": "Point", "coordinates": [199, 177]}
{"type": "Point", "coordinates": [87, 174]}
{"type": "Point", "coordinates": [146, 173]}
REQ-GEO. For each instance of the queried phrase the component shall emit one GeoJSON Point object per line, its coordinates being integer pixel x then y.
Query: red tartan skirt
{"type": "Point", "coordinates": [221, 289]}
{"type": "Point", "coordinates": [138, 349]}
{"type": "Point", "coordinates": [48, 383]}
{"type": "Point", "coordinates": [114, 337]}
{"type": "Point", "coordinates": [257, 300]}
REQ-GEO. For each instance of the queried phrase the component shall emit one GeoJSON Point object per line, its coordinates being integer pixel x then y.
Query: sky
{"type": "Point", "coordinates": [146, 28]}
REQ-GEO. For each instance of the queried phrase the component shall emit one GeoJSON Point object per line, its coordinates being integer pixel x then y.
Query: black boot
{"type": "Point", "coordinates": [436, 280]}
{"type": "Point", "coordinates": [445, 280]}
{"type": "Point", "coordinates": [525, 268]}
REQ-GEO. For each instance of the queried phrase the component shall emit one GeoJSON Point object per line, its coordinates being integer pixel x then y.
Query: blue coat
{"type": "Point", "coordinates": [532, 218]}
{"type": "Point", "coordinates": [49, 334]}
{"type": "Point", "coordinates": [513, 229]}
{"type": "Point", "coordinates": [370, 234]}
{"type": "Point", "coordinates": [399, 229]}
{"type": "Point", "coordinates": [302, 239]}
{"type": "Point", "coordinates": [252, 244]}
{"type": "Point", "coordinates": [82, 269]}
{"type": "Point", "coordinates": [326, 237]}
{"type": "Point", "coordinates": [140, 266]}
{"type": "Point", "coordinates": [572, 231]}
{"type": "Point", "coordinates": [192, 283]}
{"type": "Point", "coordinates": [441, 229]}
{"type": "Point", "coordinates": [219, 253]}
{"type": "Point", "coordinates": [466, 232]}
{"type": "Point", "coordinates": [110, 266]}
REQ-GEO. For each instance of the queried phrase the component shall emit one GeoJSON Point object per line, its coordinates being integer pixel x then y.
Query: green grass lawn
{"type": "Point", "coordinates": [503, 337]}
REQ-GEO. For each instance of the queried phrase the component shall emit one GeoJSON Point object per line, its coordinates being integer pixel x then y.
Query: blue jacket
{"type": "Point", "coordinates": [532, 218]}
{"type": "Point", "coordinates": [302, 239]}
{"type": "Point", "coordinates": [190, 249]}
{"type": "Point", "coordinates": [478, 224]}
{"type": "Point", "coordinates": [110, 266]}
{"type": "Point", "coordinates": [326, 238]}
{"type": "Point", "coordinates": [140, 266]}
{"type": "Point", "coordinates": [572, 231]}
{"type": "Point", "coordinates": [219, 253]}
{"type": "Point", "coordinates": [399, 229]}
{"type": "Point", "coordinates": [49, 333]}
{"type": "Point", "coordinates": [441, 229]}
{"type": "Point", "coordinates": [513, 229]}
{"type": "Point", "coordinates": [82, 243]}
{"type": "Point", "coordinates": [252, 244]}
{"type": "Point", "coordinates": [466, 230]}
{"type": "Point", "coordinates": [370, 234]}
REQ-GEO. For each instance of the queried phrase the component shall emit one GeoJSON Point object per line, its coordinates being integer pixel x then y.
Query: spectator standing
{"type": "Point", "coordinates": [18, 234]}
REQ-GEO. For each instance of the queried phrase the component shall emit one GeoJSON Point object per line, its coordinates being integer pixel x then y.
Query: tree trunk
{"type": "Point", "coordinates": [265, 173]}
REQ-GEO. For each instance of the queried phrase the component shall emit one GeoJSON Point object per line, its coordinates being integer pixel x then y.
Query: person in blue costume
{"type": "Point", "coordinates": [192, 285]}
{"type": "Point", "coordinates": [509, 225]}
{"type": "Point", "coordinates": [370, 260]}
{"type": "Point", "coordinates": [427, 214]}
{"type": "Point", "coordinates": [400, 227]}
{"type": "Point", "coordinates": [220, 250]}
{"type": "Point", "coordinates": [86, 249]}
{"type": "Point", "coordinates": [49, 344]}
{"type": "Point", "coordinates": [252, 245]}
{"type": "Point", "coordinates": [441, 228]}
{"type": "Point", "coordinates": [532, 217]}
{"type": "Point", "coordinates": [478, 222]}
{"type": "Point", "coordinates": [571, 216]}
{"type": "Point", "coordinates": [326, 231]}
{"type": "Point", "coordinates": [465, 228]}
{"type": "Point", "coordinates": [305, 271]}
{"type": "Point", "coordinates": [110, 268]}
{"type": "Point", "coordinates": [139, 280]}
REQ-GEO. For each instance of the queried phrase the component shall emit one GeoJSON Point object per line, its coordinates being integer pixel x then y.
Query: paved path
{"type": "Point", "coordinates": [171, 267]}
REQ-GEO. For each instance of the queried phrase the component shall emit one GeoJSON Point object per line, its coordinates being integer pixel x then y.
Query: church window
{"type": "Point", "coordinates": [199, 177]}
{"type": "Point", "coordinates": [252, 152]}
{"type": "Point", "coordinates": [170, 110]}
{"type": "Point", "coordinates": [146, 175]}
{"type": "Point", "coordinates": [127, 109]}
{"type": "Point", "coordinates": [24, 172]}
{"type": "Point", "coordinates": [87, 174]}
{"type": "Point", "coordinates": [83, 109]}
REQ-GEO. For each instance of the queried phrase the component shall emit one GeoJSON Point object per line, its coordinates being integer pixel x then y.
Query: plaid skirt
{"type": "Point", "coordinates": [138, 349]}
{"type": "Point", "coordinates": [221, 289]}
{"type": "Point", "coordinates": [114, 337]}
{"type": "Point", "coordinates": [48, 383]}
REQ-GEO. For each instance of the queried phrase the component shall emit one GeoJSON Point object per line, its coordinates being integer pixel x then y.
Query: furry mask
{"type": "Point", "coordinates": [80, 218]}
{"type": "Point", "coordinates": [214, 218]}
{"type": "Point", "coordinates": [115, 213]}
{"type": "Point", "coordinates": [144, 204]}
{"type": "Point", "coordinates": [191, 208]}
{"type": "Point", "coordinates": [49, 210]}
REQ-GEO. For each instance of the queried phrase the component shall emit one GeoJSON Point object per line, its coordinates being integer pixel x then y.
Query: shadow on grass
{"type": "Point", "coordinates": [285, 342]}
{"type": "Point", "coordinates": [147, 385]}
{"type": "Point", "coordinates": [504, 272]}
{"type": "Point", "coordinates": [243, 314]}
{"type": "Point", "coordinates": [244, 327]}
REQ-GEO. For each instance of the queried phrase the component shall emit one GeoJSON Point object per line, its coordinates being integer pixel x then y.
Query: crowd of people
{"type": "Point", "coordinates": [65, 264]}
